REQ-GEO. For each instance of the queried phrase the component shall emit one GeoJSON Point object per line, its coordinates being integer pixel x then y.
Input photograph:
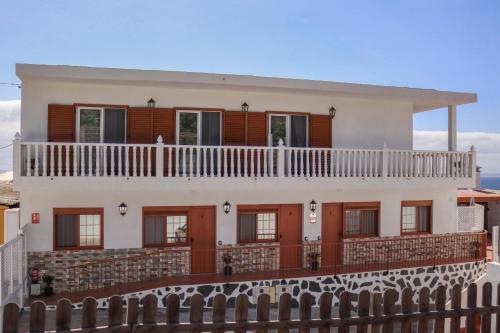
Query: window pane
{"type": "Point", "coordinates": [278, 129]}
{"type": "Point", "coordinates": [361, 222]}
{"type": "Point", "coordinates": [424, 219]}
{"type": "Point", "coordinates": [298, 131]}
{"type": "Point", "coordinates": [188, 128]}
{"type": "Point", "coordinates": [153, 230]}
{"type": "Point", "coordinates": [176, 229]}
{"type": "Point", "coordinates": [210, 128]}
{"type": "Point", "coordinates": [409, 223]}
{"type": "Point", "coordinates": [114, 125]}
{"type": "Point", "coordinates": [90, 125]}
{"type": "Point", "coordinates": [66, 230]}
{"type": "Point", "coordinates": [247, 230]}
{"type": "Point", "coordinates": [266, 226]}
{"type": "Point", "coordinates": [90, 230]}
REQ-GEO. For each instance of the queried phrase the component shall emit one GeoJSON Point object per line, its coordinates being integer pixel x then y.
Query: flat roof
{"type": "Point", "coordinates": [478, 195]}
{"type": "Point", "coordinates": [422, 99]}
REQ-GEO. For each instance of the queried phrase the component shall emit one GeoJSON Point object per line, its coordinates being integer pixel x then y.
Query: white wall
{"type": "Point", "coordinates": [359, 123]}
{"type": "Point", "coordinates": [11, 224]}
{"type": "Point", "coordinates": [126, 231]}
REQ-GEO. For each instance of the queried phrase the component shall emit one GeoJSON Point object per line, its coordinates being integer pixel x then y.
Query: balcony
{"type": "Point", "coordinates": [260, 261]}
{"type": "Point", "coordinates": [159, 164]}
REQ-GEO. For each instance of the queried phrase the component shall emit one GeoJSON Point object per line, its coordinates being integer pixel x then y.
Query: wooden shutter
{"type": "Point", "coordinates": [164, 125]}
{"type": "Point", "coordinates": [321, 131]}
{"type": "Point", "coordinates": [139, 125]}
{"type": "Point", "coordinates": [234, 128]}
{"type": "Point", "coordinates": [61, 123]}
{"type": "Point", "coordinates": [256, 129]}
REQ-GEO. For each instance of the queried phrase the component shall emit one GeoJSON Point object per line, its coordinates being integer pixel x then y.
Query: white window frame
{"type": "Point", "coordinates": [198, 121]}
{"type": "Point", "coordinates": [101, 109]}
{"type": "Point", "coordinates": [288, 128]}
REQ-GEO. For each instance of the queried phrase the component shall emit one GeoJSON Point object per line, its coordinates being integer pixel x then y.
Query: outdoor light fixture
{"type": "Point", "coordinates": [332, 112]}
{"type": "Point", "coordinates": [151, 103]}
{"type": "Point", "coordinates": [227, 207]}
{"type": "Point", "coordinates": [244, 107]}
{"type": "Point", "coordinates": [122, 209]}
{"type": "Point", "coordinates": [312, 206]}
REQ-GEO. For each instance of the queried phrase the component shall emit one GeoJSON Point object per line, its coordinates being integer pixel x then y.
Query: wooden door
{"type": "Point", "coordinates": [290, 235]}
{"type": "Point", "coordinates": [331, 232]}
{"type": "Point", "coordinates": [202, 239]}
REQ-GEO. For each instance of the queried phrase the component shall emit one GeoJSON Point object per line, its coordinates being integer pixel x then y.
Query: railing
{"type": "Point", "coordinates": [13, 272]}
{"type": "Point", "coordinates": [37, 159]}
{"type": "Point", "coordinates": [365, 312]}
{"type": "Point", "coordinates": [282, 261]}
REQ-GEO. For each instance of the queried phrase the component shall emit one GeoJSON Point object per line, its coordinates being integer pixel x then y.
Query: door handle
{"type": "Point", "coordinates": [191, 239]}
{"type": "Point", "coordinates": [281, 236]}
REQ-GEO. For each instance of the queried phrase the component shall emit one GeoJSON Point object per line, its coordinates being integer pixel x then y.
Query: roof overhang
{"type": "Point", "coordinates": [422, 99]}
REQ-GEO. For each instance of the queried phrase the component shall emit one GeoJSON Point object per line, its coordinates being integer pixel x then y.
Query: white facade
{"type": "Point", "coordinates": [368, 117]}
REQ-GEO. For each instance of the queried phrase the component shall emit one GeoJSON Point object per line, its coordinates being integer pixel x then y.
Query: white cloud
{"type": "Point", "coordinates": [10, 112]}
{"type": "Point", "coordinates": [486, 144]}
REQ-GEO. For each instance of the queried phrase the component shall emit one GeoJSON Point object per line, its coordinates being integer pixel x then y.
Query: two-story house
{"type": "Point", "coordinates": [133, 175]}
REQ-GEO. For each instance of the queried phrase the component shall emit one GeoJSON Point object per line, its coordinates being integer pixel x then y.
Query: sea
{"type": "Point", "coordinates": [492, 183]}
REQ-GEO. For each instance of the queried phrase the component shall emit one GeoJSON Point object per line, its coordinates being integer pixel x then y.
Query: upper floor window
{"type": "Point", "coordinates": [292, 129]}
{"type": "Point", "coordinates": [100, 124]}
{"type": "Point", "coordinates": [361, 219]}
{"type": "Point", "coordinates": [257, 226]}
{"type": "Point", "coordinates": [416, 217]}
{"type": "Point", "coordinates": [199, 128]}
{"type": "Point", "coordinates": [76, 228]}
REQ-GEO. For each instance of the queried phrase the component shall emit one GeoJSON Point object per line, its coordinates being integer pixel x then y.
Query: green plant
{"type": "Point", "coordinates": [48, 279]}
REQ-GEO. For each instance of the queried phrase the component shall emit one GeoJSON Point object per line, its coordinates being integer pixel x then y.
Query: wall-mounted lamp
{"type": "Point", "coordinates": [227, 207]}
{"type": "Point", "coordinates": [244, 107]}
{"type": "Point", "coordinates": [306, 238]}
{"type": "Point", "coordinates": [151, 103]}
{"type": "Point", "coordinates": [312, 206]}
{"type": "Point", "coordinates": [332, 112]}
{"type": "Point", "coordinates": [122, 209]}
{"type": "Point", "coordinates": [219, 243]}
{"type": "Point", "coordinates": [319, 237]}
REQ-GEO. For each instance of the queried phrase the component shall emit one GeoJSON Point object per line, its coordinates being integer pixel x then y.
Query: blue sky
{"type": "Point", "coordinates": [448, 45]}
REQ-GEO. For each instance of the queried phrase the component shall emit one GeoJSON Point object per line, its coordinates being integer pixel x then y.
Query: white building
{"type": "Point", "coordinates": [268, 170]}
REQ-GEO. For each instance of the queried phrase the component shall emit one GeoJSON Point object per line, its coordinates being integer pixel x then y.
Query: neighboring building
{"type": "Point", "coordinates": [9, 200]}
{"type": "Point", "coordinates": [291, 178]}
{"type": "Point", "coordinates": [488, 199]}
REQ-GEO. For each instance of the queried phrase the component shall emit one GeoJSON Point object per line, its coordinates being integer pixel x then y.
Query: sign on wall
{"type": "Point", "coordinates": [312, 217]}
{"type": "Point", "coordinates": [35, 218]}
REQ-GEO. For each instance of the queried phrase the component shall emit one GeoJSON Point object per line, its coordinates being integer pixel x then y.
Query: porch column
{"type": "Point", "coordinates": [452, 128]}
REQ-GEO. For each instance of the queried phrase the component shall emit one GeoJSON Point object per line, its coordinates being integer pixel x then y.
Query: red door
{"type": "Point", "coordinates": [202, 239]}
{"type": "Point", "coordinates": [331, 232]}
{"type": "Point", "coordinates": [290, 235]}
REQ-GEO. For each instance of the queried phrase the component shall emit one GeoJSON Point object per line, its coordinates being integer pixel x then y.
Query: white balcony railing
{"type": "Point", "coordinates": [41, 159]}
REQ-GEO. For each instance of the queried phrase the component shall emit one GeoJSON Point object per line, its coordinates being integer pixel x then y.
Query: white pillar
{"type": "Point", "coordinates": [452, 128]}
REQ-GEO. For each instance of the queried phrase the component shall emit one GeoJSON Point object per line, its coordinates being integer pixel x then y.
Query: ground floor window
{"type": "Point", "coordinates": [416, 217]}
{"type": "Point", "coordinates": [78, 228]}
{"type": "Point", "coordinates": [257, 226]}
{"type": "Point", "coordinates": [361, 219]}
{"type": "Point", "coordinates": [165, 229]}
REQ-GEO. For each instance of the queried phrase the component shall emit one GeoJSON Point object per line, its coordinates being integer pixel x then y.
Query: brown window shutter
{"type": "Point", "coordinates": [256, 129]}
{"type": "Point", "coordinates": [234, 128]}
{"type": "Point", "coordinates": [164, 125]}
{"type": "Point", "coordinates": [139, 125]}
{"type": "Point", "coordinates": [61, 123]}
{"type": "Point", "coordinates": [321, 131]}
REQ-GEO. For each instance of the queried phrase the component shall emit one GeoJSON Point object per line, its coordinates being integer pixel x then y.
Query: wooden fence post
{"type": "Point", "coordinates": [344, 310]}
{"type": "Point", "coordinates": [241, 310]}
{"type": "Point", "coordinates": [406, 308]}
{"type": "Point", "coordinates": [10, 318]}
{"type": "Point", "coordinates": [439, 323]}
{"type": "Point", "coordinates": [470, 322]}
{"type": "Point", "coordinates": [263, 303]}
{"type": "Point", "coordinates": [325, 309]}
{"type": "Point", "coordinates": [89, 313]}
{"type": "Point", "coordinates": [456, 303]}
{"type": "Point", "coordinates": [305, 306]}
{"type": "Point", "coordinates": [284, 310]}
{"type": "Point", "coordinates": [390, 298]}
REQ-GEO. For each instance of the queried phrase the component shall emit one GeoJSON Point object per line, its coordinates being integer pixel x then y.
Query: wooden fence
{"type": "Point", "coordinates": [382, 312]}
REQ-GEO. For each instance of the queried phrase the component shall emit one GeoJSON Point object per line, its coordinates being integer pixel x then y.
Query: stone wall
{"type": "Point", "coordinates": [252, 257]}
{"type": "Point", "coordinates": [97, 270]}
{"type": "Point", "coordinates": [431, 277]}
